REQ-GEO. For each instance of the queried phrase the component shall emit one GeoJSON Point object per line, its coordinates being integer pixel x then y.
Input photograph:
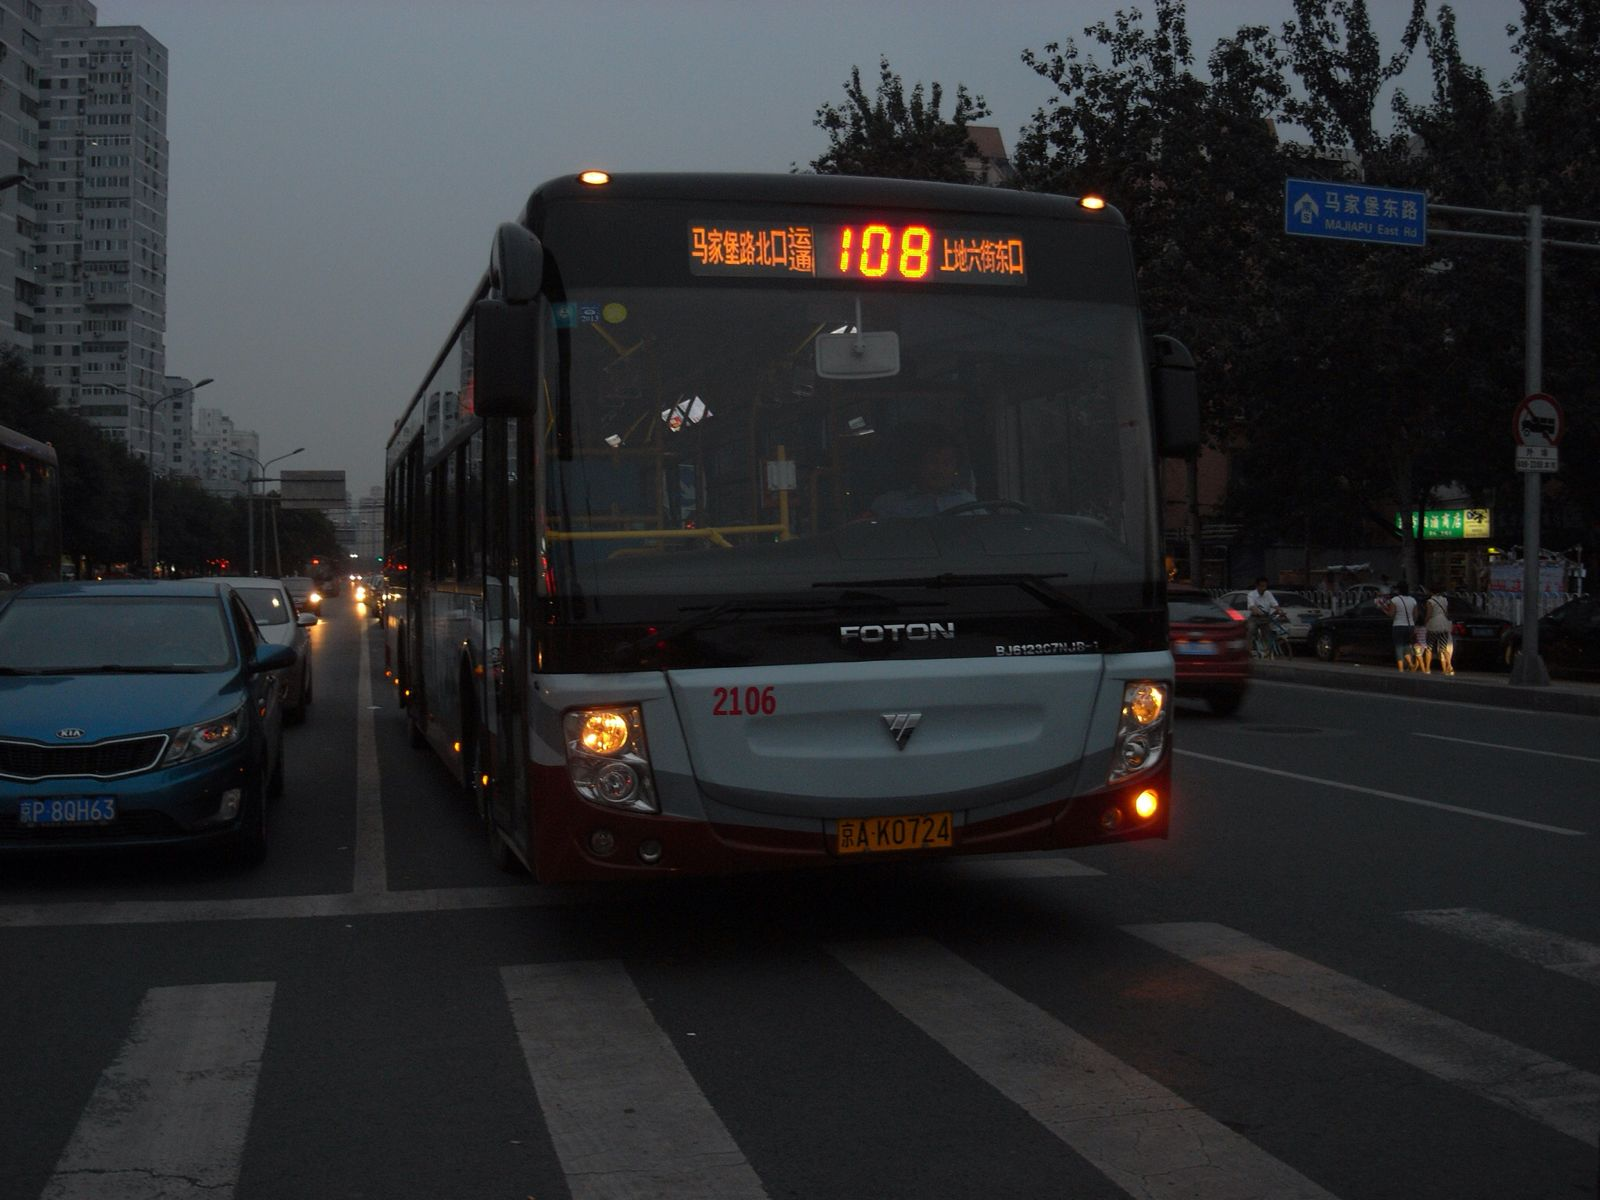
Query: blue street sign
{"type": "Point", "coordinates": [1354, 212]}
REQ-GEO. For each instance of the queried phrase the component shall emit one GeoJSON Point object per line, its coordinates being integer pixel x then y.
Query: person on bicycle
{"type": "Point", "coordinates": [1261, 611]}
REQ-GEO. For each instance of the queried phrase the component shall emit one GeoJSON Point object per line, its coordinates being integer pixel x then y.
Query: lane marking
{"type": "Point", "coordinates": [284, 908]}
{"type": "Point", "coordinates": [371, 872]}
{"type": "Point", "coordinates": [1554, 951]}
{"type": "Point", "coordinates": [1355, 787]}
{"type": "Point", "coordinates": [58, 914]}
{"type": "Point", "coordinates": [623, 1112]}
{"type": "Point", "coordinates": [1147, 1140]}
{"type": "Point", "coordinates": [1439, 737]}
{"type": "Point", "coordinates": [170, 1115]}
{"type": "Point", "coordinates": [1552, 1093]}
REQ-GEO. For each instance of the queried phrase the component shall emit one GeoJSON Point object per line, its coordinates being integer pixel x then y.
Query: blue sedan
{"type": "Point", "coordinates": [140, 712]}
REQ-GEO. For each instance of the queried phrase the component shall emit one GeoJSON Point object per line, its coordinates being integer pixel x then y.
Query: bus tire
{"type": "Point", "coordinates": [501, 854]}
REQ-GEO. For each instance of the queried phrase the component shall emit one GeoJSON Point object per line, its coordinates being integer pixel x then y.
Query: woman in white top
{"type": "Point", "coordinates": [1403, 606]}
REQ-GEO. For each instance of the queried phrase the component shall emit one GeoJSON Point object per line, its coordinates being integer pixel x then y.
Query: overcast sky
{"type": "Point", "coordinates": [338, 166]}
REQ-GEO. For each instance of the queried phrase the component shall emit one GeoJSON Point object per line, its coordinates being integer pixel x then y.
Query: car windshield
{"type": "Point", "coordinates": [266, 605]}
{"type": "Point", "coordinates": [75, 634]}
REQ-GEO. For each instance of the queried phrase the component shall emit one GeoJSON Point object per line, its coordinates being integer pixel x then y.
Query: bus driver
{"type": "Point", "coordinates": [936, 483]}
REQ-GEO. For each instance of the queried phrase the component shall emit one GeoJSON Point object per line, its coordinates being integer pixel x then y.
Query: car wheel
{"type": "Point", "coordinates": [250, 843]}
{"type": "Point", "coordinates": [1226, 704]}
{"type": "Point", "coordinates": [1327, 649]}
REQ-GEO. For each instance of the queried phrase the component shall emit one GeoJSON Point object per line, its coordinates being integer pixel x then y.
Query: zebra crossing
{"type": "Point", "coordinates": [626, 1116]}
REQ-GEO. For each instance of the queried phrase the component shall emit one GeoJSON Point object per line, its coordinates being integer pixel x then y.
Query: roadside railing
{"type": "Point", "coordinates": [1500, 604]}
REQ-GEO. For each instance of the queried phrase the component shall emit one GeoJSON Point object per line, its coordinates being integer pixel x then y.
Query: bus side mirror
{"type": "Point", "coordinates": [1177, 400]}
{"type": "Point", "coordinates": [505, 339]}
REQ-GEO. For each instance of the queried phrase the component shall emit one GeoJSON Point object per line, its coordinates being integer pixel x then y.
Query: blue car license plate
{"type": "Point", "coordinates": [1195, 648]}
{"type": "Point", "coordinates": [69, 810]}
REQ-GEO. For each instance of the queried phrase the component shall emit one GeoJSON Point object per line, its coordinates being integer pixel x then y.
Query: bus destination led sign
{"type": "Point", "coordinates": [869, 250]}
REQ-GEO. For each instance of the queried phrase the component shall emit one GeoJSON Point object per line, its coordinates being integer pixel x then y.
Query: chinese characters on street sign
{"type": "Point", "coordinates": [1354, 212]}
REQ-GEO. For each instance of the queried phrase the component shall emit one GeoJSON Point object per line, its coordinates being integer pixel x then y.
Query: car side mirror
{"type": "Point", "coordinates": [306, 620]}
{"type": "Point", "coordinates": [272, 658]}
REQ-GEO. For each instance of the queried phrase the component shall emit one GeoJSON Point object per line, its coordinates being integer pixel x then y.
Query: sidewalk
{"type": "Point", "coordinates": [1468, 687]}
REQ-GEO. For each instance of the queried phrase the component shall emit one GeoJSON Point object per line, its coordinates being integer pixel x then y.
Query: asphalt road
{"type": "Point", "coordinates": [1367, 964]}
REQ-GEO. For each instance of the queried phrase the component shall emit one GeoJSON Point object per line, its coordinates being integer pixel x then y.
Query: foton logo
{"type": "Point", "coordinates": [68, 735]}
{"type": "Point", "coordinates": [916, 631]}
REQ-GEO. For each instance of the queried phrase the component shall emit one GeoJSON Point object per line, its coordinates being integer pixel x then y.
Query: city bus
{"type": "Point", "coordinates": [747, 522]}
{"type": "Point", "coordinates": [30, 510]}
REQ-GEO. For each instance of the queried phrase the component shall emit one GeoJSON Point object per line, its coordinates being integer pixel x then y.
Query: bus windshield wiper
{"type": "Point", "coordinates": [1037, 586]}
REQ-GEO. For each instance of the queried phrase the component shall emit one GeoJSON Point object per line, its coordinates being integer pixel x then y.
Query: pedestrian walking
{"type": "Point", "coordinates": [1402, 609]}
{"type": "Point", "coordinates": [1441, 643]}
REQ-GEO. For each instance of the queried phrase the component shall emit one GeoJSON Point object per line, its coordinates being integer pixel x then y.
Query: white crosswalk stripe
{"type": "Point", "coordinates": [1555, 951]}
{"type": "Point", "coordinates": [627, 1119]}
{"type": "Point", "coordinates": [169, 1116]}
{"type": "Point", "coordinates": [1559, 1096]}
{"type": "Point", "coordinates": [1147, 1140]}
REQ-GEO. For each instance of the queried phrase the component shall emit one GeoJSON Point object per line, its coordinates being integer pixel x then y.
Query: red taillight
{"type": "Point", "coordinates": [1235, 614]}
{"type": "Point", "coordinates": [1458, 629]}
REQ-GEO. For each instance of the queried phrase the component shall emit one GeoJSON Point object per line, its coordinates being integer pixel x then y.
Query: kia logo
{"type": "Point", "coordinates": [67, 735]}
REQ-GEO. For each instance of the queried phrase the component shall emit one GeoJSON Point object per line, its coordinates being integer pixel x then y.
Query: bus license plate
{"type": "Point", "coordinates": [69, 810]}
{"type": "Point", "coordinates": [873, 835]}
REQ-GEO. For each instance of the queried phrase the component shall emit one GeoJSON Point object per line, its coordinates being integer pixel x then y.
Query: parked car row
{"type": "Point", "coordinates": [1364, 631]}
{"type": "Point", "coordinates": [148, 712]}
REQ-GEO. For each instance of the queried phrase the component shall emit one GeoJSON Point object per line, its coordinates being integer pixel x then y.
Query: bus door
{"type": "Point", "coordinates": [506, 703]}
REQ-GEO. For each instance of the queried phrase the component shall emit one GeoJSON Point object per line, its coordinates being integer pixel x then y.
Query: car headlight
{"type": "Point", "coordinates": [314, 598]}
{"type": "Point", "coordinates": [608, 759]}
{"type": "Point", "coordinates": [1141, 730]}
{"type": "Point", "coordinates": [196, 741]}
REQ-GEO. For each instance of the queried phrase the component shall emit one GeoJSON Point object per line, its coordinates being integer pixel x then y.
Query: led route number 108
{"type": "Point", "coordinates": [879, 251]}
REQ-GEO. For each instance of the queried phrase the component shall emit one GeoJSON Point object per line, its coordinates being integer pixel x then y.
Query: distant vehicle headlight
{"type": "Point", "coordinates": [314, 598]}
{"type": "Point", "coordinates": [196, 741]}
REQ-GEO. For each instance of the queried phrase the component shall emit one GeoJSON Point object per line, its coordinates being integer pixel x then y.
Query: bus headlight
{"type": "Point", "coordinates": [608, 759]}
{"type": "Point", "coordinates": [1141, 730]}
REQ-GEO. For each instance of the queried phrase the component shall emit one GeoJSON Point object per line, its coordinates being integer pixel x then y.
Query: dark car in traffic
{"type": "Point", "coordinates": [303, 591]}
{"type": "Point", "coordinates": [1569, 639]}
{"type": "Point", "coordinates": [137, 713]}
{"type": "Point", "coordinates": [1363, 631]}
{"type": "Point", "coordinates": [1210, 655]}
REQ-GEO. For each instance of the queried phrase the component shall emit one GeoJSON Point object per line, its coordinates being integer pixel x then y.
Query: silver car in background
{"type": "Point", "coordinates": [273, 608]}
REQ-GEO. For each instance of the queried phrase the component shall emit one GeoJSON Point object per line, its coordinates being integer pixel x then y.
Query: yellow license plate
{"type": "Point", "coordinates": [873, 835]}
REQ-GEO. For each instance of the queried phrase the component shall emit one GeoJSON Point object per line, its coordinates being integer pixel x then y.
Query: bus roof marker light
{"type": "Point", "coordinates": [1092, 202]}
{"type": "Point", "coordinates": [595, 178]}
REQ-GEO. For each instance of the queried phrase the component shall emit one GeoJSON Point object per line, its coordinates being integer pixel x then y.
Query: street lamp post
{"type": "Point", "coordinates": [249, 518]}
{"type": "Point", "coordinates": [150, 461]}
{"type": "Point", "coordinates": [150, 407]}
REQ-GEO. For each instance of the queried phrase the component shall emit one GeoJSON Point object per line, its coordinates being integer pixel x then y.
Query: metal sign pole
{"type": "Point", "coordinates": [1529, 669]}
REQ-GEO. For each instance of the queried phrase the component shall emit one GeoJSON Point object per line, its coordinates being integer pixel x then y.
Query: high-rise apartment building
{"type": "Point", "coordinates": [224, 457]}
{"type": "Point", "coordinates": [100, 218]}
{"type": "Point", "coordinates": [19, 155]}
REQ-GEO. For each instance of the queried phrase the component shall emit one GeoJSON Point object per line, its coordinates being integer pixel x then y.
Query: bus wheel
{"type": "Point", "coordinates": [501, 854]}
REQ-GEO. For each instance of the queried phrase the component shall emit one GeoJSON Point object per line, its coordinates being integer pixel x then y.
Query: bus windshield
{"type": "Point", "coordinates": [693, 448]}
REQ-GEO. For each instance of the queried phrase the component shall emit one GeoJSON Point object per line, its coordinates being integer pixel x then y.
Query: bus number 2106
{"type": "Point", "coordinates": [743, 702]}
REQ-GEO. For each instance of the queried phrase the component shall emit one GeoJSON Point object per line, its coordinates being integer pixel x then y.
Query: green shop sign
{"type": "Point", "coordinates": [1448, 523]}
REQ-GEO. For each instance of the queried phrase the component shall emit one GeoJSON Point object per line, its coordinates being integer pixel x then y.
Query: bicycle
{"type": "Point", "coordinates": [1271, 638]}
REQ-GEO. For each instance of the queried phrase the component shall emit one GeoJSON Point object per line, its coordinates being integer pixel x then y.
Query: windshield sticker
{"type": "Point", "coordinates": [1046, 648]}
